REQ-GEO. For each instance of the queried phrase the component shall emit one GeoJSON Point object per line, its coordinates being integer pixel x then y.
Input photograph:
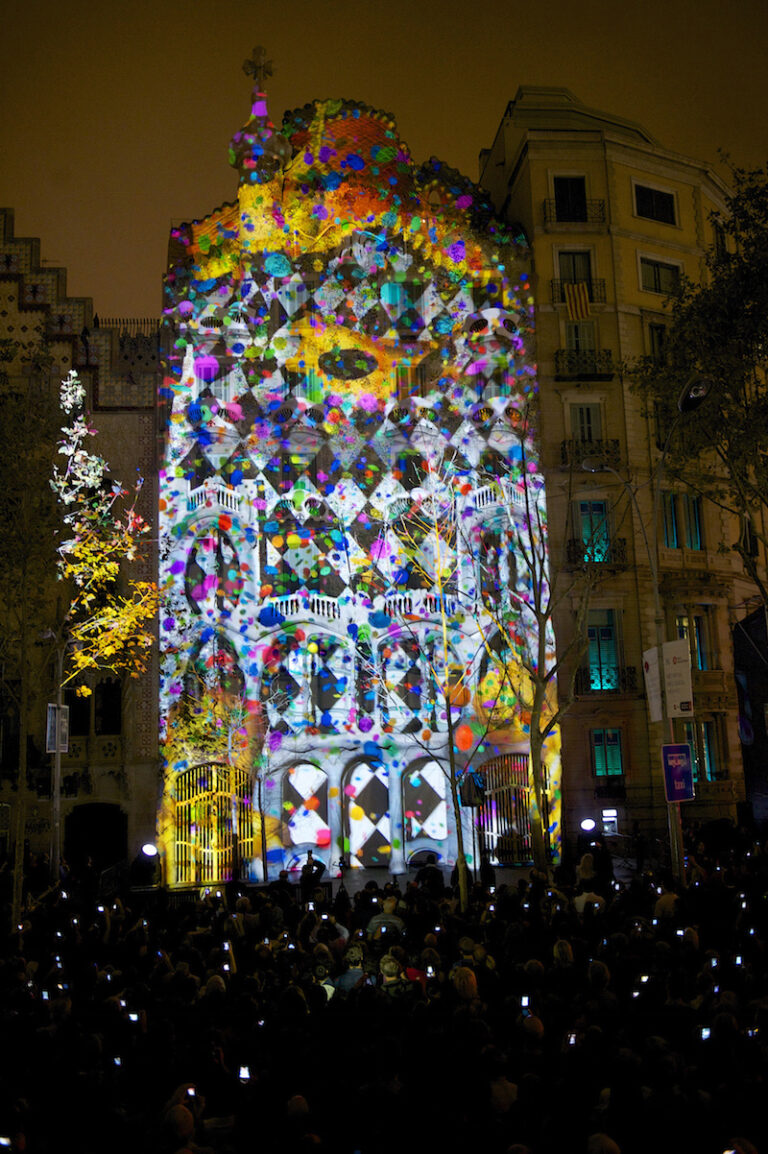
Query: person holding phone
{"type": "Point", "coordinates": [387, 924]}
{"type": "Point", "coordinates": [311, 872]}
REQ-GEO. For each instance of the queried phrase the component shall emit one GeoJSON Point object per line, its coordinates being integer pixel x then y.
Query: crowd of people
{"type": "Point", "coordinates": [571, 1013]}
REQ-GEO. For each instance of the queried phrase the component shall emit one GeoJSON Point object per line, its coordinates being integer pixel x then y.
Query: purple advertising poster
{"type": "Point", "coordinates": [678, 772]}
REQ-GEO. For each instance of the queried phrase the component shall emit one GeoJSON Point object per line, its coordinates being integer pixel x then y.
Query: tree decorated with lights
{"type": "Point", "coordinates": [108, 622]}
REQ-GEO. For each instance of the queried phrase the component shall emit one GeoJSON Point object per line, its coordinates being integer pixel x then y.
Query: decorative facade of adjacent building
{"type": "Point", "coordinates": [614, 219]}
{"type": "Point", "coordinates": [350, 453]}
{"type": "Point", "coordinates": [109, 771]}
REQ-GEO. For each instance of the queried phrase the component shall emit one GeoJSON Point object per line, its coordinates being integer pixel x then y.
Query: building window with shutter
{"type": "Point", "coordinates": [575, 267]}
{"type": "Point", "coordinates": [580, 336]}
{"type": "Point", "coordinates": [670, 516]}
{"type": "Point", "coordinates": [694, 628]}
{"type": "Point", "coordinates": [692, 513]}
{"type": "Point", "coordinates": [656, 276]}
{"type": "Point", "coordinates": [682, 518]}
{"type": "Point", "coordinates": [704, 739]}
{"type": "Point", "coordinates": [592, 527]}
{"type": "Point", "coordinates": [586, 423]}
{"type": "Point", "coordinates": [603, 651]}
{"type": "Point", "coordinates": [655, 204]}
{"type": "Point", "coordinates": [606, 752]}
{"type": "Point", "coordinates": [657, 336]}
{"type": "Point", "coordinates": [570, 198]}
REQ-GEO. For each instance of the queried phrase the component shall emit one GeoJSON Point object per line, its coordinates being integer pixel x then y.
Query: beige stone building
{"type": "Point", "coordinates": [614, 219]}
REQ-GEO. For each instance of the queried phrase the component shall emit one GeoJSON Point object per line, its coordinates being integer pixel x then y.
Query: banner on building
{"type": "Point", "coordinates": [577, 300]}
{"type": "Point", "coordinates": [678, 687]}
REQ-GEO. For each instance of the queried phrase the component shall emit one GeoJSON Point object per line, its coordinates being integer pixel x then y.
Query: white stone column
{"type": "Point", "coordinates": [335, 773]}
{"type": "Point", "coordinates": [396, 823]}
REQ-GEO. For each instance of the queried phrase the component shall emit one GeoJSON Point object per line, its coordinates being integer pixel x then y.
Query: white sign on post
{"type": "Point", "coordinates": [678, 689]}
{"type": "Point", "coordinates": [57, 729]}
{"type": "Point", "coordinates": [652, 683]}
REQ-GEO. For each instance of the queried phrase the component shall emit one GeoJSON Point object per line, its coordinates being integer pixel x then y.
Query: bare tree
{"type": "Point", "coordinates": [479, 554]}
{"type": "Point", "coordinates": [435, 595]}
{"type": "Point", "coordinates": [546, 587]}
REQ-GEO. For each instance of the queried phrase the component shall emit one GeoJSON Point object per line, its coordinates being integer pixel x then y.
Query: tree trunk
{"type": "Point", "coordinates": [461, 859]}
{"type": "Point", "coordinates": [262, 819]}
{"type": "Point", "coordinates": [537, 812]}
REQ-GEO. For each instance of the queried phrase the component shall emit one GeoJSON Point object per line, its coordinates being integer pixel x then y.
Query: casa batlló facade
{"type": "Point", "coordinates": [349, 458]}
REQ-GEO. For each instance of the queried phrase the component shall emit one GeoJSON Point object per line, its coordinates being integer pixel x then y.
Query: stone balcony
{"type": "Point", "coordinates": [214, 495]}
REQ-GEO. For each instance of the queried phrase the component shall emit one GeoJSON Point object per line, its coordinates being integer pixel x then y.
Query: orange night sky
{"type": "Point", "coordinates": [116, 118]}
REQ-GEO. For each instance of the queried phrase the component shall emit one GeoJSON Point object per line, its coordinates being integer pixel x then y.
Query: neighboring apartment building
{"type": "Point", "coordinates": [109, 774]}
{"type": "Point", "coordinates": [614, 219]}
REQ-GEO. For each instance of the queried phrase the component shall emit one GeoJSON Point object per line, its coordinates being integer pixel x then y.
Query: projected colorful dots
{"type": "Point", "coordinates": [347, 384]}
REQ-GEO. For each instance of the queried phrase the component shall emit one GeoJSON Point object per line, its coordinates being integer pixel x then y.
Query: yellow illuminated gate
{"type": "Point", "coordinates": [214, 824]}
{"type": "Point", "coordinates": [503, 819]}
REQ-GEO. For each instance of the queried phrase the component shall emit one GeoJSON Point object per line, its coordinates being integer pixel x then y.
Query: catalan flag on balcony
{"type": "Point", "coordinates": [577, 300]}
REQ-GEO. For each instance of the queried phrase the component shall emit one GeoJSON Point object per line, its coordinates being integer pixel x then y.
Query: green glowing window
{"type": "Point", "coordinates": [603, 650]}
{"type": "Point", "coordinates": [669, 510]}
{"type": "Point", "coordinates": [682, 521]}
{"type": "Point", "coordinates": [692, 508]}
{"type": "Point", "coordinates": [593, 530]}
{"type": "Point", "coordinates": [606, 752]}
{"type": "Point", "coordinates": [702, 736]}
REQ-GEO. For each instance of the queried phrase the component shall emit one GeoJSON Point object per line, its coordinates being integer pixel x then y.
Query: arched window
{"type": "Point", "coordinates": [401, 692]}
{"type": "Point", "coordinates": [424, 807]}
{"type": "Point", "coordinates": [305, 806]}
{"type": "Point", "coordinates": [366, 815]}
{"type": "Point", "coordinates": [213, 573]}
{"type": "Point", "coordinates": [213, 668]}
{"type": "Point", "coordinates": [305, 682]}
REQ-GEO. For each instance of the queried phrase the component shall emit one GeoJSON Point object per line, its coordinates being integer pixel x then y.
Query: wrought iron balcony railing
{"type": "Point", "coordinates": [605, 679]}
{"type": "Point", "coordinates": [587, 364]}
{"type": "Point", "coordinates": [588, 212]}
{"type": "Point", "coordinates": [595, 290]}
{"type": "Point", "coordinates": [611, 553]}
{"type": "Point", "coordinates": [573, 452]}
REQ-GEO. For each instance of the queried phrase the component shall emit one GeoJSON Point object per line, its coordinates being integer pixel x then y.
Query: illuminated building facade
{"type": "Point", "coordinates": [349, 455]}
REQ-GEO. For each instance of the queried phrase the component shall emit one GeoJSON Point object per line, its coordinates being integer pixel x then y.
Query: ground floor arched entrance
{"type": "Point", "coordinates": [97, 830]}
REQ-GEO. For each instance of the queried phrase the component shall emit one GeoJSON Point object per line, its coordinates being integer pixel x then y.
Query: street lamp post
{"type": "Point", "coordinates": [692, 395]}
{"type": "Point", "coordinates": [56, 831]}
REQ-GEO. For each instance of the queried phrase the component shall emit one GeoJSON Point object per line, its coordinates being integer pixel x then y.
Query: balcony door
{"type": "Point", "coordinates": [603, 650]}
{"type": "Point", "coordinates": [570, 198]}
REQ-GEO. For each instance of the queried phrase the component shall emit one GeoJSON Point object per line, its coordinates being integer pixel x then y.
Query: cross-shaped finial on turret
{"type": "Point", "coordinates": [258, 67]}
